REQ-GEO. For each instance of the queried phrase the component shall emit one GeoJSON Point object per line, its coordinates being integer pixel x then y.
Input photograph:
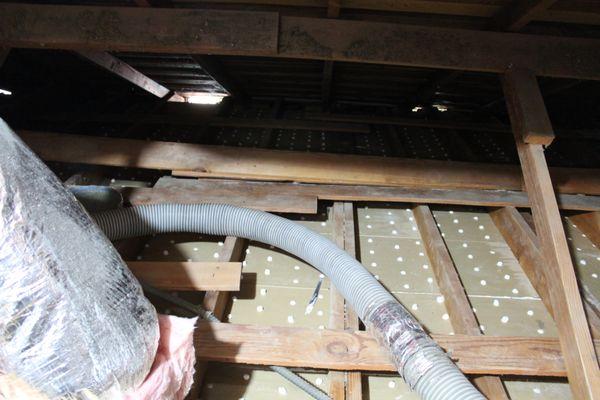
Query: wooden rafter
{"type": "Point", "coordinates": [589, 224]}
{"type": "Point", "coordinates": [519, 13]}
{"type": "Point", "coordinates": [320, 349]}
{"type": "Point", "coordinates": [125, 71]}
{"type": "Point", "coordinates": [575, 338]}
{"type": "Point", "coordinates": [258, 164]}
{"type": "Point", "coordinates": [457, 303]}
{"type": "Point", "coordinates": [215, 68]}
{"type": "Point", "coordinates": [267, 34]}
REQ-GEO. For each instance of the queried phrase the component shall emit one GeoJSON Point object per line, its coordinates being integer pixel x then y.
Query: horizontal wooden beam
{"type": "Point", "coordinates": [258, 164]}
{"type": "Point", "coordinates": [358, 351]}
{"type": "Point", "coordinates": [267, 34]}
{"type": "Point", "coordinates": [186, 191]}
{"type": "Point", "coordinates": [188, 275]}
{"type": "Point", "coordinates": [125, 71]}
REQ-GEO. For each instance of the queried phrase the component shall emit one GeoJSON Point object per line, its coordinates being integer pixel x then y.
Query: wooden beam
{"type": "Point", "coordinates": [358, 351]}
{"type": "Point", "coordinates": [193, 276]}
{"type": "Point", "coordinates": [265, 34]}
{"type": "Point", "coordinates": [518, 13]}
{"type": "Point", "coordinates": [258, 164]}
{"type": "Point", "coordinates": [575, 339]}
{"type": "Point", "coordinates": [529, 115]}
{"type": "Point", "coordinates": [457, 303]}
{"type": "Point", "coordinates": [125, 71]}
{"type": "Point", "coordinates": [524, 244]}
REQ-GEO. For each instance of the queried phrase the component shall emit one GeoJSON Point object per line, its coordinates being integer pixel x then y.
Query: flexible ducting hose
{"type": "Point", "coordinates": [424, 366]}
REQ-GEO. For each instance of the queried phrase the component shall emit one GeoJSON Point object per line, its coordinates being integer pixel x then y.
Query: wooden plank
{"type": "Point", "coordinates": [589, 225]}
{"type": "Point", "coordinates": [457, 303]}
{"type": "Point", "coordinates": [259, 164]}
{"type": "Point", "coordinates": [184, 275]}
{"type": "Point", "coordinates": [188, 193]}
{"type": "Point", "coordinates": [125, 71]}
{"type": "Point", "coordinates": [515, 15]}
{"type": "Point", "coordinates": [223, 190]}
{"type": "Point", "coordinates": [575, 338]}
{"type": "Point", "coordinates": [358, 351]}
{"type": "Point", "coordinates": [526, 247]}
{"type": "Point", "coordinates": [138, 29]}
{"type": "Point", "coordinates": [337, 379]}
{"type": "Point", "coordinates": [527, 105]}
{"type": "Point", "coordinates": [215, 68]}
{"type": "Point", "coordinates": [263, 34]}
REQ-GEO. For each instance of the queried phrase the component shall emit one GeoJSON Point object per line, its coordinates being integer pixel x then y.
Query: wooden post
{"type": "Point", "coordinates": [575, 338]}
{"type": "Point", "coordinates": [461, 313]}
{"type": "Point", "coordinates": [216, 301]}
{"type": "Point", "coordinates": [337, 382]}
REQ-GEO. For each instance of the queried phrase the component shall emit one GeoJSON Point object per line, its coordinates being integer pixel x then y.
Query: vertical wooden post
{"type": "Point", "coordinates": [232, 250]}
{"type": "Point", "coordinates": [459, 308]}
{"type": "Point", "coordinates": [337, 384]}
{"type": "Point", "coordinates": [353, 379]}
{"type": "Point", "coordinates": [574, 335]}
{"type": "Point", "coordinates": [342, 316]}
{"type": "Point", "coordinates": [3, 55]}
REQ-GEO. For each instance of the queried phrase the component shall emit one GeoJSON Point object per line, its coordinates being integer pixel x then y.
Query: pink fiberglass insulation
{"type": "Point", "coordinates": [172, 373]}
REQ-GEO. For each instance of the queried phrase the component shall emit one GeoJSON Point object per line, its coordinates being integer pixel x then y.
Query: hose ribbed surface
{"type": "Point", "coordinates": [443, 381]}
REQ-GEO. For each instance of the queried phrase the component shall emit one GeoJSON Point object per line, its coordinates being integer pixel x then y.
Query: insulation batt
{"type": "Point", "coordinates": [74, 322]}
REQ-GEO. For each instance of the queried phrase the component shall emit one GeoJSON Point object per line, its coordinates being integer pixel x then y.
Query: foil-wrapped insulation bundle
{"type": "Point", "coordinates": [396, 329]}
{"type": "Point", "coordinates": [74, 322]}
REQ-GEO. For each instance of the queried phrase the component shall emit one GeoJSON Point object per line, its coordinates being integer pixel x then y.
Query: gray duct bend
{"type": "Point", "coordinates": [423, 365]}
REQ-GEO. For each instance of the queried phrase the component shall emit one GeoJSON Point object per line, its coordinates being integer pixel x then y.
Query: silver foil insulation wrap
{"type": "Point", "coordinates": [74, 322]}
{"type": "Point", "coordinates": [396, 329]}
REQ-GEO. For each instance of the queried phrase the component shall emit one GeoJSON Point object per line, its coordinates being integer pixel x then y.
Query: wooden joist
{"type": "Point", "coordinates": [188, 275]}
{"type": "Point", "coordinates": [337, 379]}
{"type": "Point", "coordinates": [218, 161]}
{"type": "Point", "coordinates": [358, 351]}
{"type": "Point", "coordinates": [457, 303]}
{"type": "Point", "coordinates": [569, 315]}
{"type": "Point", "coordinates": [267, 34]}
{"type": "Point", "coordinates": [125, 71]}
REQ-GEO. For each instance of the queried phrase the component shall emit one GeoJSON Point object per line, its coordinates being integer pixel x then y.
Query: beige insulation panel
{"type": "Point", "coordinates": [276, 288]}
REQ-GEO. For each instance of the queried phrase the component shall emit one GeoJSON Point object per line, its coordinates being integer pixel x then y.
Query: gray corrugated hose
{"type": "Point", "coordinates": [423, 365]}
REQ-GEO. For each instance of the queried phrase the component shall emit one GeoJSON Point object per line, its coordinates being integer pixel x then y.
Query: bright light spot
{"type": "Point", "coordinates": [205, 98]}
{"type": "Point", "coordinates": [5, 92]}
{"type": "Point", "coordinates": [440, 107]}
{"type": "Point", "coordinates": [417, 109]}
